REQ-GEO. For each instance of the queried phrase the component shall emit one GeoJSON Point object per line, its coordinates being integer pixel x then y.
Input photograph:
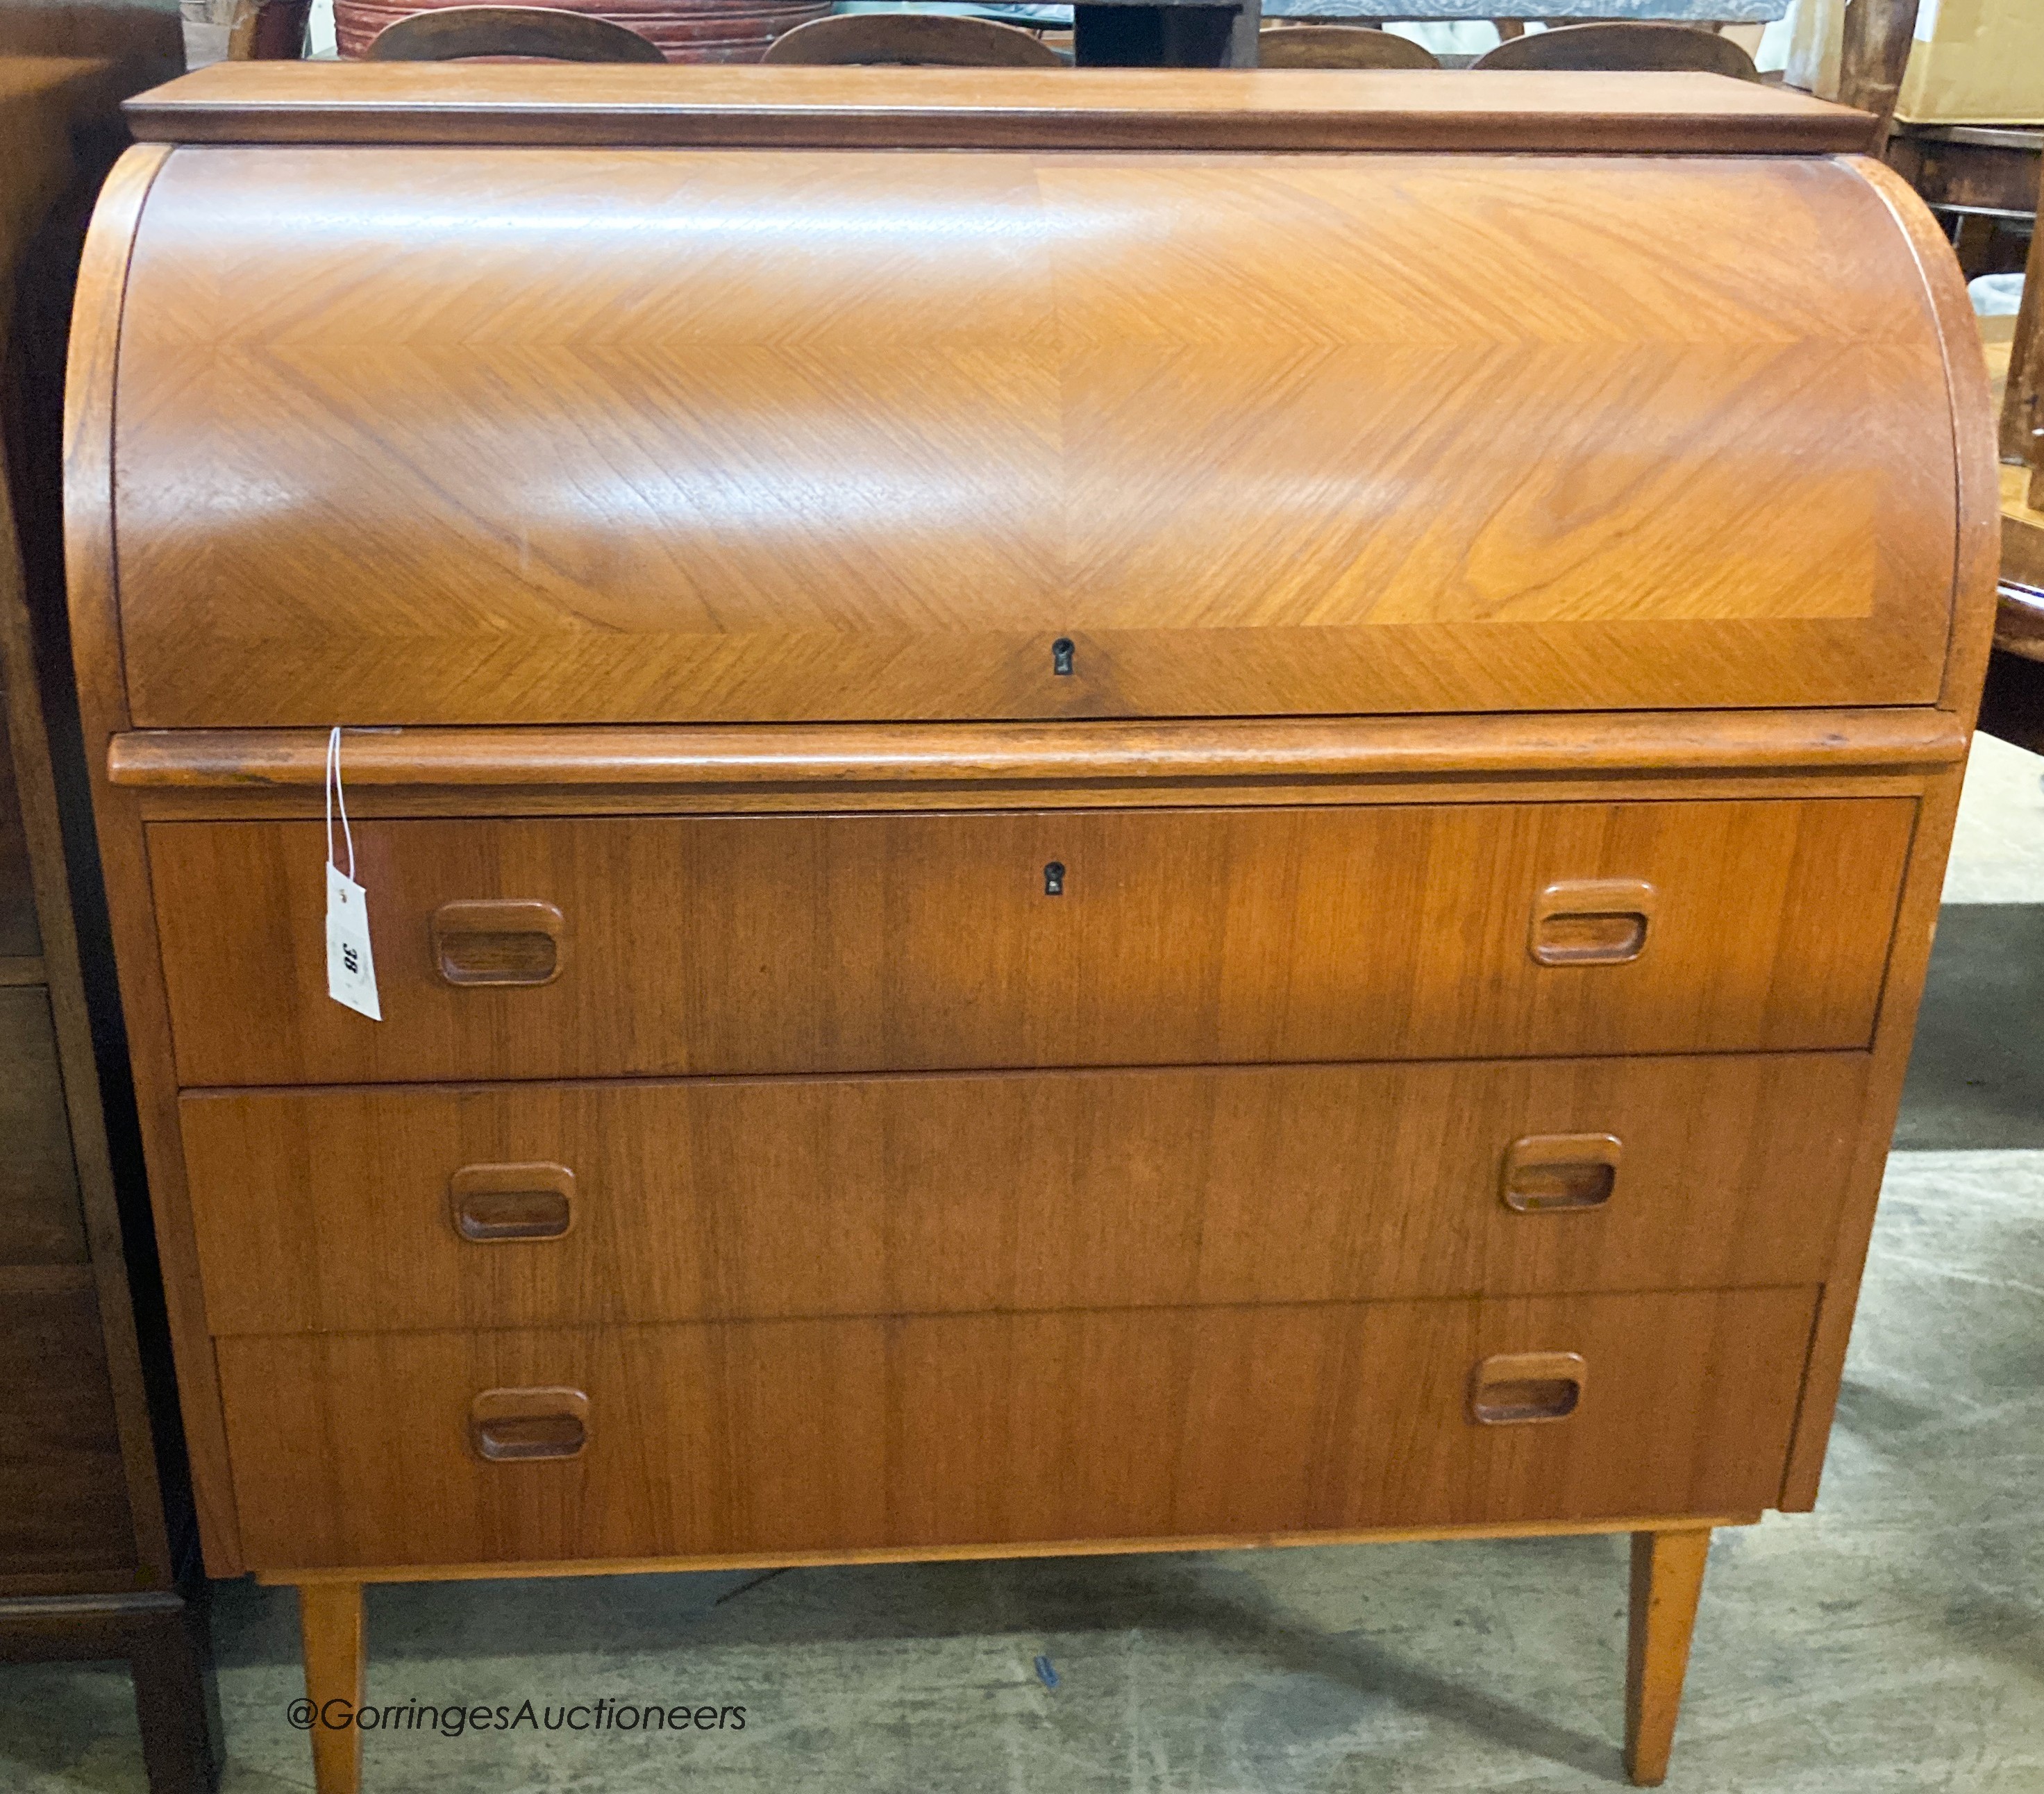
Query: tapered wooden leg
{"type": "Point", "coordinates": [330, 1619]}
{"type": "Point", "coordinates": [1667, 1577]}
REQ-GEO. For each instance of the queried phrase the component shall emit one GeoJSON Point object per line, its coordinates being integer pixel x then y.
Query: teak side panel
{"type": "Point", "coordinates": [1916, 924]}
{"type": "Point", "coordinates": [810, 1434]}
{"type": "Point", "coordinates": [89, 581]}
{"type": "Point", "coordinates": [780, 108]}
{"type": "Point", "coordinates": [331, 1210]}
{"type": "Point", "coordinates": [930, 942]}
{"type": "Point", "coordinates": [625, 436]}
{"type": "Point", "coordinates": [1977, 461]}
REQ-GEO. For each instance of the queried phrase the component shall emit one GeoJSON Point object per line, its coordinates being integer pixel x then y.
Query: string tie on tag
{"type": "Point", "coordinates": [336, 797]}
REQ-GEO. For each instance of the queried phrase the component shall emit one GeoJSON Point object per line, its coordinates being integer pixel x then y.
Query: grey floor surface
{"type": "Point", "coordinates": [1894, 1639]}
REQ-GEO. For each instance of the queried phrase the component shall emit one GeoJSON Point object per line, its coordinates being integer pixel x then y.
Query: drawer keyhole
{"type": "Point", "coordinates": [1053, 878]}
{"type": "Point", "coordinates": [1062, 652]}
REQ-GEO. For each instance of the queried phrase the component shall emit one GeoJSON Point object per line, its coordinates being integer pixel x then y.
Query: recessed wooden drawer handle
{"type": "Point", "coordinates": [1515, 1387]}
{"type": "Point", "coordinates": [505, 1202]}
{"type": "Point", "coordinates": [1592, 921]}
{"type": "Point", "coordinates": [514, 1426]}
{"type": "Point", "coordinates": [1547, 1172]}
{"type": "Point", "coordinates": [498, 940]}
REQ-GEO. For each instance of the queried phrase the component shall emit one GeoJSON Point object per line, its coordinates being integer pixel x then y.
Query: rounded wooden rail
{"type": "Point", "coordinates": [860, 753]}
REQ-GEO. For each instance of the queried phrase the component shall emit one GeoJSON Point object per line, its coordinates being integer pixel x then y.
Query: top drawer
{"type": "Point", "coordinates": [842, 944]}
{"type": "Point", "coordinates": [687, 435]}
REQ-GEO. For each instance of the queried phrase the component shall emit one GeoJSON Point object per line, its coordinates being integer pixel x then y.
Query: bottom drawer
{"type": "Point", "coordinates": [766, 1437]}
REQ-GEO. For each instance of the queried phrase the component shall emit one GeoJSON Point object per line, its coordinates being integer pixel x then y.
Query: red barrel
{"type": "Point", "coordinates": [685, 31]}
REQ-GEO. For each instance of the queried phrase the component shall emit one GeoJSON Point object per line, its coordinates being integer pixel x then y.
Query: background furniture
{"type": "Point", "coordinates": [1511, 19]}
{"type": "Point", "coordinates": [702, 31]}
{"type": "Point", "coordinates": [450, 33]}
{"type": "Point", "coordinates": [1340, 46]}
{"type": "Point", "coordinates": [1116, 32]}
{"type": "Point", "coordinates": [1222, 918]}
{"type": "Point", "coordinates": [1644, 45]}
{"type": "Point", "coordinates": [2012, 705]}
{"type": "Point", "coordinates": [936, 39]}
{"type": "Point", "coordinates": [96, 1559]}
{"type": "Point", "coordinates": [1505, 13]}
{"type": "Point", "coordinates": [1873, 56]}
{"type": "Point", "coordinates": [1978, 178]}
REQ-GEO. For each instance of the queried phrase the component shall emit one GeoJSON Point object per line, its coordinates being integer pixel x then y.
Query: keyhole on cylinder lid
{"type": "Point", "coordinates": [1060, 656]}
{"type": "Point", "coordinates": [1053, 878]}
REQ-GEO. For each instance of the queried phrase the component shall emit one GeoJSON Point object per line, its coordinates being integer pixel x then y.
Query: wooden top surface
{"type": "Point", "coordinates": [926, 108]}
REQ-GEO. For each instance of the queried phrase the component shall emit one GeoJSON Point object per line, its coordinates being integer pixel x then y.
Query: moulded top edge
{"type": "Point", "coordinates": [600, 106]}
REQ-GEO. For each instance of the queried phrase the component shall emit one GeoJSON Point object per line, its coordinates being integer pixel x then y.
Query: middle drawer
{"type": "Point", "coordinates": [558, 1204]}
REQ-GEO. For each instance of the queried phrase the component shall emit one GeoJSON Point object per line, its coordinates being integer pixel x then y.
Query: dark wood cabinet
{"type": "Point", "coordinates": [98, 1548]}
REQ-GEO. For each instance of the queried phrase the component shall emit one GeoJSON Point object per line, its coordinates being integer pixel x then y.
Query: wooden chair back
{"type": "Point", "coordinates": [1646, 45]}
{"type": "Point", "coordinates": [940, 39]}
{"type": "Point", "coordinates": [1339, 46]}
{"type": "Point", "coordinates": [448, 33]}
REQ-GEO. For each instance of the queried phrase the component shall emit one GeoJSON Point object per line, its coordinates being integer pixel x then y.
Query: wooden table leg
{"type": "Point", "coordinates": [1873, 56]}
{"type": "Point", "coordinates": [1667, 1577]}
{"type": "Point", "coordinates": [330, 1619]}
{"type": "Point", "coordinates": [177, 1702]}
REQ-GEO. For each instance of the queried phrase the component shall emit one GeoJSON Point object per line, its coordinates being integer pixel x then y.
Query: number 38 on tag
{"type": "Point", "coordinates": [350, 971]}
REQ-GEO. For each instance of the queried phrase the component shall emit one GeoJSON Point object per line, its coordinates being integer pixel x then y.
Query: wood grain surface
{"type": "Point", "coordinates": [989, 757]}
{"type": "Point", "coordinates": [1974, 581]}
{"type": "Point", "coordinates": [928, 942]}
{"type": "Point", "coordinates": [42, 1221]}
{"type": "Point", "coordinates": [330, 1629]}
{"type": "Point", "coordinates": [63, 1499]}
{"type": "Point", "coordinates": [1975, 465]}
{"type": "Point", "coordinates": [488, 446]}
{"type": "Point", "coordinates": [354, 1448]}
{"type": "Point", "coordinates": [1667, 1581]}
{"type": "Point", "coordinates": [1603, 519]}
{"type": "Point", "coordinates": [361, 1574]}
{"type": "Point", "coordinates": [90, 592]}
{"type": "Point", "coordinates": [1915, 926]}
{"type": "Point", "coordinates": [83, 1502]}
{"type": "Point", "coordinates": [19, 937]}
{"type": "Point", "coordinates": [982, 108]}
{"type": "Point", "coordinates": [330, 1211]}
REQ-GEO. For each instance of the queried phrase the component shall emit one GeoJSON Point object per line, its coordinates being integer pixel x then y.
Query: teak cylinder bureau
{"type": "Point", "coordinates": [1100, 812]}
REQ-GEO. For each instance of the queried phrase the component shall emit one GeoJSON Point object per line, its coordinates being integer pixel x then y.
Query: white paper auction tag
{"type": "Point", "coordinates": [350, 967]}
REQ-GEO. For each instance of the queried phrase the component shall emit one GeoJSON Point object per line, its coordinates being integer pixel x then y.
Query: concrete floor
{"type": "Point", "coordinates": [1892, 1640]}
